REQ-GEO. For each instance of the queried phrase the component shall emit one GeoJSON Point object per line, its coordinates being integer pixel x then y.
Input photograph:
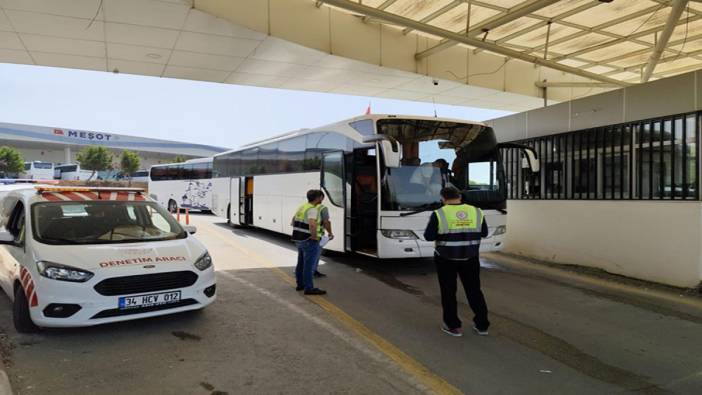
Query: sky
{"type": "Point", "coordinates": [190, 111]}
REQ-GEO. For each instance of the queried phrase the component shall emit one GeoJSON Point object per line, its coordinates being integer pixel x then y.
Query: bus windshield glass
{"type": "Point", "coordinates": [436, 154]}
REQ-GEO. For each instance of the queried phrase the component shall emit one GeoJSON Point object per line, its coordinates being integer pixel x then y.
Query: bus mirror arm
{"type": "Point", "coordinates": [529, 154]}
{"type": "Point", "coordinates": [389, 147]}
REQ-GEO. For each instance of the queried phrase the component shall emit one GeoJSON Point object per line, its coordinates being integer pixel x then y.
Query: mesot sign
{"type": "Point", "coordinates": [82, 135]}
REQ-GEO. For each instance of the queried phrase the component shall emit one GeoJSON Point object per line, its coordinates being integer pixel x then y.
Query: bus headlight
{"type": "Point", "coordinates": [399, 234]}
{"type": "Point", "coordinates": [60, 272]}
{"type": "Point", "coordinates": [204, 262]}
{"type": "Point", "coordinates": [500, 230]}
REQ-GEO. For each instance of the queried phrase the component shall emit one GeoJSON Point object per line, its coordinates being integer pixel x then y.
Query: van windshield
{"type": "Point", "coordinates": [100, 222]}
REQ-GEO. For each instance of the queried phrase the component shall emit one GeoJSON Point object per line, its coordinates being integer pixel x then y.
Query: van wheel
{"type": "Point", "coordinates": [20, 313]}
{"type": "Point", "coordinates": [172, 206]}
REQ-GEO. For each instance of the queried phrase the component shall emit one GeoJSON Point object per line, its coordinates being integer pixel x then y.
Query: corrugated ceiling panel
{"type": "Point", "coordinates": [632, 60]}
{"type": "Point", "coordinates": [506, 3]}
{"type": "Point", "coordinates": [688, 30]}
{"type": "Point", "coordinates": [609, 11]}
{"type": "Point", "coordinates": [561, 7]}
{"type": "Point", "coordinates": [572, 62]}
{"type": "Point", "coordinates": [417, 9]}
{"type": "Point", "coordinates": [600, 69]}
{"type": "Point", "coordinates": [611, 51]}
{"type": "Point", "coordinates": [642, 23]}
{"type": "Point", "coordinates": [626, 75]}
{"type": "Point", "coordinates": [579, 43]}
{"type": "Point", "coordinates": [455, 20]}
{"type": "Point", "coordinates": [538, 36]}
{"type": "Point", "coordinates": [513, 27]}
{"type": "Point", "coordinates": [673, 66]}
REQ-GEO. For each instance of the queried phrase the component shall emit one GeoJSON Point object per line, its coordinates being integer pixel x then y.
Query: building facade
{"type": "Point", "coordinates": [61, 145]}
{"type": "Point", "coordinates": [619, 182]}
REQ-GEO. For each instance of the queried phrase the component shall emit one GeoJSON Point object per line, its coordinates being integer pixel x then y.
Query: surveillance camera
{"type": "Point", "coordinates": [435, 82]}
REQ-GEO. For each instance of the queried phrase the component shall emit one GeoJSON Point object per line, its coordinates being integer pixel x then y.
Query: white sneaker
{"type": "Point", "coordinates": [479, 332]}
{"type": "Point", "coordinates": [456, 332]}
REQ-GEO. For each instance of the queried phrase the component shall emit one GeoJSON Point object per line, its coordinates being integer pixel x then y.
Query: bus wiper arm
{"type": "Point", "coordinates": [423, 208]}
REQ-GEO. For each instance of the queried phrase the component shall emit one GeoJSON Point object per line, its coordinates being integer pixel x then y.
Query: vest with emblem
{"type": "Point", "coordinates": [459, 236]}
{"type": "Point", "coordinates": [301, 228]}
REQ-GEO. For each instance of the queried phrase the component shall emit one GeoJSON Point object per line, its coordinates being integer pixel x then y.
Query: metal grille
{"type": "Point", "coordinates": [128, 285]}
{"type": "Point", "coordinates": [654, 159]}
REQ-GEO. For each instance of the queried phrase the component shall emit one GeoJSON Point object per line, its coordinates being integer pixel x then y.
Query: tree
{"type": "Point", "coordinates": [130, 163]}
{"type": "Point", "coordinates": [10, 160]}
{"type": "Point", "coordinates": [179, 159]}
{"type": "Point", "coordinates": [95, 158]}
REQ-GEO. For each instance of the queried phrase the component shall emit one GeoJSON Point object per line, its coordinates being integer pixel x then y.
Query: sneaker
{"type": "Point", "coordinates": [299, 288]}
{"type": "Point", "coordinates": [483, 332]}
{"type": "Point", "coordinates": [315, 291]}
{"type": "Point", "coordinates": [457, 332]}
{"type": "Point", "coordinates": [319, 274]}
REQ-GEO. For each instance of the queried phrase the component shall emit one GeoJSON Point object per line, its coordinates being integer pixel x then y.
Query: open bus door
{"type": "Point", "coordinates": [246, 186]}
{"type": "Point", "coordinates": [333, 183]}
{"type": "Point", "coordinates": [362, 177]}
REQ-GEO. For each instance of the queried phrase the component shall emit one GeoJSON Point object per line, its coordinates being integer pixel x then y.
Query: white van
{"type": "Point", "coordinates": [89, 256]}
{"type": "Point", "coordinates": [72, 171]}
{"type": "Point", "coordinates": [38, 171]}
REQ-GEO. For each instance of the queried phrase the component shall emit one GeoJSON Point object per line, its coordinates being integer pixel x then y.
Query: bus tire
{"type": "Point", "coordinates": [172, 206]}
{"type": "Point", "coordinates": [20, 313]}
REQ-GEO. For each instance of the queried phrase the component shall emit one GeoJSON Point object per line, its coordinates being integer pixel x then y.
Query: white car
{"type": "Point", "coordinates": [87, 256]}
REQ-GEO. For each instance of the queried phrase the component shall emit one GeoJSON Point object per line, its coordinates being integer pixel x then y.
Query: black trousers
{"type": "Point", "coordinates": [469, 272]}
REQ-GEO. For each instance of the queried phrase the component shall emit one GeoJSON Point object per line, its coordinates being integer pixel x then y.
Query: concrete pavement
{"type": "Point", "coordinates": [377, 331]}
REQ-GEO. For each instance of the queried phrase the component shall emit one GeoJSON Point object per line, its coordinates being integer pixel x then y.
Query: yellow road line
{"type": "Point", "coordinates": [431, 380]}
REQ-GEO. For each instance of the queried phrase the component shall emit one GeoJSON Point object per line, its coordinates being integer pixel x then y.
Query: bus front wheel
{"type": "Point", "coordinates": [172, 206]}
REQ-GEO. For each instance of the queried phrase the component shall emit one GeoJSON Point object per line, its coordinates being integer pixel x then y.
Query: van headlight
{"type": "Point", "coordinates": [57, 271]}
{"type": "Point", "coordinates": [500, 230]}
{"type": "Point", "coordinates": [399, 234]}
{"type": "Point", "coordinates": [204, 262]}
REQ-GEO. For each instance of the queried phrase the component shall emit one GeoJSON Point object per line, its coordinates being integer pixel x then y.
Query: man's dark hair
{"type": "Point", "coordinates": [313, 194]}
{"type": "Point", "coordinates": [450, 193]}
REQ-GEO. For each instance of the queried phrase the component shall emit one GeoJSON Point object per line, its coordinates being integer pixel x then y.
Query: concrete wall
{"type": "Point", "coordinates": [674, 95]}
{"type": "Point", "coordinates": [651, 240]}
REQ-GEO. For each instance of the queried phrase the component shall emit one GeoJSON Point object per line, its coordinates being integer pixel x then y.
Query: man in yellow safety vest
{"type": "Point", "coordinates": [456, 230]}
{"type": "Point", "coordinates": [307, 230]}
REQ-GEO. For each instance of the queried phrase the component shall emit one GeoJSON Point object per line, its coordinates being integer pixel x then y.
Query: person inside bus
{"type": "Point", "coordinates": [457, 229]}
{"type": "Point", "coordinates": [307, 230]}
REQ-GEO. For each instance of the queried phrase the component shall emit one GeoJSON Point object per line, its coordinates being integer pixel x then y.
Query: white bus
{"type": "Point", "coordinates": [183, 185]}
{"type": "Point", "coordinates": [38, 171]}
{"type": "Point", "coordinates": [381, 174]}
{"type": "Point", "coordinates": [71, 171]}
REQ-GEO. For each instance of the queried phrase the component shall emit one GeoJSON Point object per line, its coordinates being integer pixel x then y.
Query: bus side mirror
{"type": "Point", "coordinates": [391, 153]}
{"type": "Point", "coordinates": [531, 160]}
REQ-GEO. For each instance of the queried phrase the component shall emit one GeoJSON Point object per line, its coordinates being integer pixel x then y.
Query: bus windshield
{"type": "Point", "coordinates": [436, 154]}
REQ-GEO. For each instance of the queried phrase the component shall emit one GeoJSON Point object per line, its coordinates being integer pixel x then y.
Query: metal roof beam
{"type": "Point", "coordinates": [449, 35]}
{"type": "Point", "coordinates": [441, 11]}
{"type": "Point", "coordinates": [676, 11]}
{"type": "Point", "coordinates": [514, 13]}
{"type": "Point", "coordinates": [547, 84]}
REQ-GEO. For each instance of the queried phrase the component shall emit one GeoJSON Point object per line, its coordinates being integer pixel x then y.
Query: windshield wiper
{"type": "Point", "coordinates": [423, 208]}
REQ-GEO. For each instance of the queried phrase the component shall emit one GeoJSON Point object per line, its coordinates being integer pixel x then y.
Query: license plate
{"type": "Point", "coordinates": [149, 300]}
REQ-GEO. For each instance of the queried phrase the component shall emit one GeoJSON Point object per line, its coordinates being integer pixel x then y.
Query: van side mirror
{"type": "Point", "coordinates": [190, 229]}
{"type": "Point", "coordinates": [6, 238]}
